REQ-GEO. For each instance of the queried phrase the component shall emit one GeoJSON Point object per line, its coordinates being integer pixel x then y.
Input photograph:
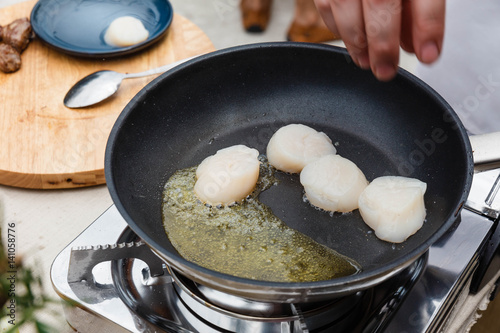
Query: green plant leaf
{"type": "Point", "coordinates": [43, 328]}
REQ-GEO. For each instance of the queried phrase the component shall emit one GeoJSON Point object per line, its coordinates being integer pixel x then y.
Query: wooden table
{"type": "Point", "coordinates": [45, 145]}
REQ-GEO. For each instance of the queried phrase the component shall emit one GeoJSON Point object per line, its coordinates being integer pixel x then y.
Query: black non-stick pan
{"type": "Point", "coordinates": [243, 95]}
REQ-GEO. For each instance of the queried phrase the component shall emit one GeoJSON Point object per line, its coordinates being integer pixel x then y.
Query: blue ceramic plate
{"type": "Point", "coordinates": [77, 27]}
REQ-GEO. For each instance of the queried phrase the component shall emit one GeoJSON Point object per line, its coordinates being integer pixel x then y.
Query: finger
{"type": "Point", "coordinates": [428, 28]}
{"type": "Point", "coordinates": [406, 28]}
{"type": "Point", "coordinates": [348, 16]}
{"type": "Point", "coordinates": [325, 11]}
{"type": "Point", "coordinates": [383, 28]}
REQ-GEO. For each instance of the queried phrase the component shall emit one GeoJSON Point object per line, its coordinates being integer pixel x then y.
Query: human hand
{"type": "Point", "coordinates": [373, 30]}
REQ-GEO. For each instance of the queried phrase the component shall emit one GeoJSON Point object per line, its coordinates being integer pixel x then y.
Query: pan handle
{"type": "Point", "coordinates": [486, 151]}
{"type": "Point", "coordinates": [483, 197]}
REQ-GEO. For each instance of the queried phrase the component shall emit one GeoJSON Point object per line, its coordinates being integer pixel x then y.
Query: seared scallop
{"type": "Point", "coordinates": [333, 183]}
{"type": "Point", "coordinates": [228, 176]}
{"type": "Point", "coordinates": [393, 207]}
{"type": "Point", "coordinates": [295, 145]}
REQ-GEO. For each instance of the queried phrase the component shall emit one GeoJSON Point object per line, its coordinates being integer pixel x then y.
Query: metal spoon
{"type": "Point", "coordinates": [100, 85]}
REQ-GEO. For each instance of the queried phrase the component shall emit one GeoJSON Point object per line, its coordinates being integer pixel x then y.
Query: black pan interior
{"type": "Point", "coordinates": [243, 95]}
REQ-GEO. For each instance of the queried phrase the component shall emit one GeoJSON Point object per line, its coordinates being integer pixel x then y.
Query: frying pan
{"type": "Point", "coordinates": [242, 95]}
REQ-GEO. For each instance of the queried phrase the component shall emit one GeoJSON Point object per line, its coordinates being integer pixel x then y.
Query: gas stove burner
{"type": "Point", "coordinates": [337, 315]}
{"type": "Point", "coordinates": [240, 305]}
{"type": "Point", "coordinates": [183, 299]}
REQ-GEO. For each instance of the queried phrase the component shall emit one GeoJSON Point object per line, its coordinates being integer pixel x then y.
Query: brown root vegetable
{"type": "Point", "coordinates": [18, 34]}
{"type": "Point", "coordinates": [10, 59]}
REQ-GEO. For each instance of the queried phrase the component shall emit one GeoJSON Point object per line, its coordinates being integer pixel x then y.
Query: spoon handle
{"type": "Point", "coordinates": [157, 70]}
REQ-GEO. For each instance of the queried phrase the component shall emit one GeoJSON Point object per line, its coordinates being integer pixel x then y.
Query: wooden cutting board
{"type": "Point", "coordinates": [45, 145]}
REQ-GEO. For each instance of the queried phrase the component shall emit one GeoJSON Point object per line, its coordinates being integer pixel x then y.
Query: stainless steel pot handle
{"type": "Point", "coordinates": [483, 197]}
{"type": "Point", "coordinates": [486, 151]}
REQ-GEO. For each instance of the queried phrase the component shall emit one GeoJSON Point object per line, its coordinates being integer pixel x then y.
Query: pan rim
{"type": "Point", "coordinates": [359, 281]}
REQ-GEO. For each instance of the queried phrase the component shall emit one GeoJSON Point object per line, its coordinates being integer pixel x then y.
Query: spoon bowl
{"type": "Point", "coordinates": [93, 89]}
{"type": "Point", "coordinates": [101, 85]}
